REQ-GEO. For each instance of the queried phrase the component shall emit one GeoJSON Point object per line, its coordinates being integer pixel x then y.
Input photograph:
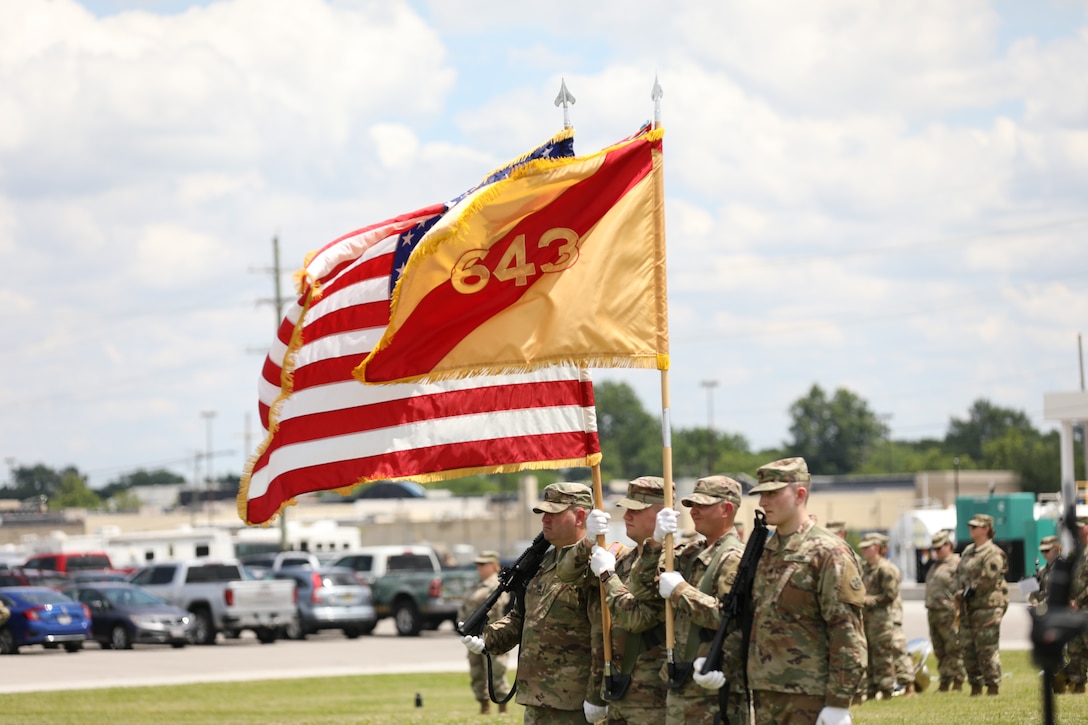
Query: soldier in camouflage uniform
{"type": "Point", "coordinates": [982, 597]}
{"type": "Point", "coordinates": [1077, 669]}
{"type": "Point", "coordinates": [704, 572]}
{"type": "Point", "coordinates": [1050, 549]}
{"type": "Point", "coordinates": [638, 620]}
{"type": "Point", "coordinates": [487, 566]}
{"type": "Point", "coordinates": [808, 650]}
{"type": "Point", "coordinates": [555, 679]}
{"type": "Point", "coordinates": [881, 580]}
{"type": "Point", "coordinates": [944, 629]}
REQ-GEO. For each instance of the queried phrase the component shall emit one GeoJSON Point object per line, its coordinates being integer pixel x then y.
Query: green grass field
{"type": "Point", "coordinates": [447, 699]}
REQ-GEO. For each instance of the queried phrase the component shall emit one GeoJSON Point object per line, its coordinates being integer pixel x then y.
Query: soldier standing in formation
{"type": "Point", "coordinates": [487, 566]}
{"type": "Point", "coordinates": [555, 681]}
{"type": "Point", "coordinates": [808, 649]}
{"type": "Point", "coordinates": [1077, 669]}
{"type": "Point", "coordinates": [638, 619]}
{"type": "Point", "coordinates": [1051, 549]}
{"type": "Point", "coordinates": [941, 612]}
{"type": "Point", "coordinates": [982, 596]}
{"type": "Point", "coordinates": [881, 580]}
{"type": "Point", "coordinates": [705, 571]}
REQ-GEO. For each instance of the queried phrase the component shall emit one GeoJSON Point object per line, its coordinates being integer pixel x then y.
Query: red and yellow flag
{"type": "Point", "coordinates": [561, 263]}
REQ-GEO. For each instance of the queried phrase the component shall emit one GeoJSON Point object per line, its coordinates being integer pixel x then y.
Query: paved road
{"type": "Point", "coordinates": [325, 655]}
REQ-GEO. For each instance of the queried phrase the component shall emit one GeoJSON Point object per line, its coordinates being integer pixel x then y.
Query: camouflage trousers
{"type": "Point", "coordinates": [904, 664]}
{"type": "Point", "coordinates": [694, 704]}
{"type": "Point", "coordinates": [980, 631]}
{"type": "Point", "coordinates": [477, 670]}
{"type": "Point", "coordinates": [883, 655]}
{"type": "Point", "coordinates": [633, 710]}
{"type": "Point", "coordinates": [550, 716]}
{"type": "Point", "coordinates": [783, 708]}
{"type": "Point", "coordinates": [1077, 668]}
{"type": "Point", "coordinates": [944, 635]}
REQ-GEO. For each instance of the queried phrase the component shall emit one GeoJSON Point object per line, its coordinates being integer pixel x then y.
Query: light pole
{"type": "Point", "coordinates": [956, 478]}
{"type": "Point", "coordinates": [711, 438]}
{"type": "Point", "coordinates": [208, 415]}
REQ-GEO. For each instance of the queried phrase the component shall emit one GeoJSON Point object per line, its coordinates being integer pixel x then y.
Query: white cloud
{"type": "Point", "coordinates": [860, 193]}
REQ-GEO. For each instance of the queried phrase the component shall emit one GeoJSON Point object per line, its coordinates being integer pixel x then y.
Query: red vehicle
{"type": "Point", "coordinates": [69, 561]}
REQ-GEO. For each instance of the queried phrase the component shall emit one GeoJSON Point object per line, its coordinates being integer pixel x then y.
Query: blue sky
{"type": "Point", "coordinates": [879, 195]}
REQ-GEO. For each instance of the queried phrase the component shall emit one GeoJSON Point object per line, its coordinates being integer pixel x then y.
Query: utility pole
{"type": "Point", "coordinates": [277, 304]}
{"type": "Point", "coordinates": [208, 415]}
{"type": "Point", "coordinates": [712, 446]}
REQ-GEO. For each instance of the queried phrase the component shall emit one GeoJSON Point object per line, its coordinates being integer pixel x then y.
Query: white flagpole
{"type": "Point", "coordinates": [666, 455]}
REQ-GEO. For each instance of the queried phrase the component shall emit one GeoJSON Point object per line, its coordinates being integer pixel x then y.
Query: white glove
{"type": "Point", "coordinates": [597, 522]}
{"type": "Point", "coordinates": [594, 713]}
{"type": "Point", "coordinates": [834, 716]}
{"type": "Point", "coordinates": [712, 680]}
{"type": "Point", "coordinates": [665, 524]}
{"type": "Point", "coordinates": [602, 560]}
{"type": "Point", "coordinates": [668, 582]}
{"type": "Point", "coordinates": [474, 644]}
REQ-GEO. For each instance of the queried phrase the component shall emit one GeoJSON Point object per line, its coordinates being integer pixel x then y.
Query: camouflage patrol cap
{"type": "Point", "coordinates": [644, 492]}
{"type": "Point", "coordinates": [1082, 521]}
{"type": "Point", "coordinates": [836, 527]}
{"type": "Point", "coordinates": [867, 541]}
{"type": "Point", "coordinates": [712, 490]}
{"type": "Point", "coordinates": [487, 557]}
{"type": "Point", "coordinates": [561, 496]}
{"type": "Point", "coordinates": [1049, 542]}
{"type": "Point", "coordinates": [781, 473]}
{"type": "Point", "coordinates": [981, 520]}
{"type": "Point", "coordinates": [939, 539]}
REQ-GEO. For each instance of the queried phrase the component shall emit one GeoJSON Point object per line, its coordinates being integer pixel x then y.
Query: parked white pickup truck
{"type": "Point", "coordinates": [222, 599]}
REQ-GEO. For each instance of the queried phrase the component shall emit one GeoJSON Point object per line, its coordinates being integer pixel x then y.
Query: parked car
{"type": "Point", "coordinates": [125, 614]}
{"type": "Point", "coordinates": [222, 597]}
{"type": "Point", "coordinates": [329, 598]}
{"type": "Point", "coordinates": [44, 616]}
{"type": "Point", "coordinates": [86, 576]}
{"type": "Point", "coordinates": [409, 584]}
{"type": "Point", "coordinates": [67, 562]}
{"type": "Point", "coordinates": [20, 577]}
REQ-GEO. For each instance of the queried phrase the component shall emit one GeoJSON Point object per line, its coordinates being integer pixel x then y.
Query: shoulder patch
{"type": "Point", "coordinates": [856, 584]}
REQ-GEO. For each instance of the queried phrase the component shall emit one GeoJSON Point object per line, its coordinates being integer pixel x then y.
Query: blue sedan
{"type": "Point", "coordinates": [43, 616]}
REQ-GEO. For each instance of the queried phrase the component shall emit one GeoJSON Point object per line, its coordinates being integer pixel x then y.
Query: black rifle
{"type": "Point", "coordinates": [736, 607]}
{"type": "Point", "coordinates": [1058, 623]}
{"type": "Point", "coordinates": [512, 579]}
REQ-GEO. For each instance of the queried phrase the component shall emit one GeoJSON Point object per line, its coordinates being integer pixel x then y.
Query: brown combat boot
{"type": "Point", "coordinates": [975, 689]}
{"type": "Point", "coordinates": [1078, 688]}
{"type": "Point", "coordinates": [991, 689]}
{"type": "Point", "coordinates": [946, 682]}
{"type": "Point", "coordinates": [957, 685]}
{"type": "Point", "coordinates": [502, 708]}
{"type": "Point", "coordinates": [909, 691]}
{"type": "Point", "coordinates": [885, 694]}
{"type": "Point", "coordinates": [485, 707]}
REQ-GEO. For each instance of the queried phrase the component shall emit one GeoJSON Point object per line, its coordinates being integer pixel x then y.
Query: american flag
{"type": "Point", "coordinates": [327, 431]}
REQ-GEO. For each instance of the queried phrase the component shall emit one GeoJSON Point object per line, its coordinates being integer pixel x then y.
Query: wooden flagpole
{"type": "Point", "coordinates": [606, 617]}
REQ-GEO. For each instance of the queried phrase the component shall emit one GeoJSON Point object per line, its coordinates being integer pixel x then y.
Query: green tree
{"type": "Point", "coordinates": [72, 492]}
{"type": "Point", "coordinates": [699, 452]}
{"type": "Point", "coordinates": [1035, 457]}
{"type": "Point", "coordinates": [141, 477]}
{"type": "Point", "coordinates": [985, 422]}
{"type": "Point", "coordinates": [630, 437]}
{"type": "Point", "coordinates": [835, 435]}
{"type": "Point", "coordinates": [38, 482]}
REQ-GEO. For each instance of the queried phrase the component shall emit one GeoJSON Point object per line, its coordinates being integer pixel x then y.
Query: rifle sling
{"type": "Point", "coordinates": [706, 586]}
